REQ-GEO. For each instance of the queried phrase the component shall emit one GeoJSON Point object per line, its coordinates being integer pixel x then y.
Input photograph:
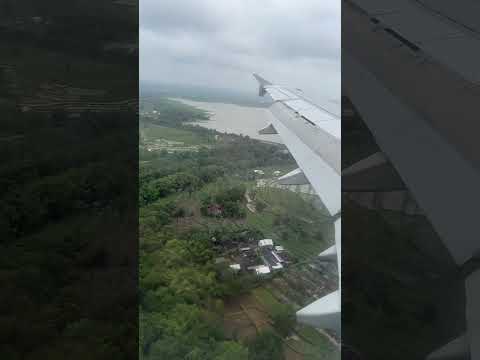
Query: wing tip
{"type": "Point", "coordinates": [261, 80]}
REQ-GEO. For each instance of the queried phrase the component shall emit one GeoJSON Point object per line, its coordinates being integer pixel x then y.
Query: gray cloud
{"type": "Point", "coordinates": [220, 43]}
{"type": "Point", "coordinates": [176, 16]}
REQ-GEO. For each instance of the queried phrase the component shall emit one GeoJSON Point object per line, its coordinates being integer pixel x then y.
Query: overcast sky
{"type": "Point", "coordinates": [219, 43]}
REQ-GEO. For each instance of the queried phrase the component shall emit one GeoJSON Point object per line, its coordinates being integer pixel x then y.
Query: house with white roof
{"type": "Point", "coordinates": [262, 270]}
{"type": "Point", "coordinates": [265, 242]}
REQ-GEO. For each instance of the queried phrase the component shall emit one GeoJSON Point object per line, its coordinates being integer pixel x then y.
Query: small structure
{"type": "Point", "coordinates": [249, 260]}
{"type": "Point", "coordinates": [279, 248]}
{"type": "Point", "coordinates": [277, 266]}
{"type": "Point", "coordinates": [214, 210]}
{"type": "Point", "coordinates": [270, 260]}
{"type": "Point", "coordinates": [265, 242]}
{"type": "Point", "coordinates": [235, 267]}
{"type": "Point", "coordinates": [277, 257]}
{"type": "Point", "coordinates": [262, 270]}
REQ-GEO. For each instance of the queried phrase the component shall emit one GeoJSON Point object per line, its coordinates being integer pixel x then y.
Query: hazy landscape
{"type": "Point", "coordinates": [206, 201]}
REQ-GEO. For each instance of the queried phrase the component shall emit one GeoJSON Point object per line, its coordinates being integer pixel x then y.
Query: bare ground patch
{"type": "Point", "coordinates": [244, 318]}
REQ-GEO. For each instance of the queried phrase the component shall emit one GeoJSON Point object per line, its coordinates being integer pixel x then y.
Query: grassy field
{"type": "Point", "coordinates": [266, 299]}
{"type": "Point", "coordinates": [314, 345]}
{"type": "Point", "coordinates": [309, 232]}
{"type": "Point", "coordinates": [153, 132]}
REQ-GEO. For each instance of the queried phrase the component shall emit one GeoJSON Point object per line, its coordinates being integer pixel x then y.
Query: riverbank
{"type": "Point", "coordinates": [235, 119]}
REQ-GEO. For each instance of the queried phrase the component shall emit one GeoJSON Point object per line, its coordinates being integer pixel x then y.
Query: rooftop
{"type": "Point", "coordinates": [262, 269]}
{"type": "Point", "coordinates": [265, 242]}
{"type": "Point", "coordinates": [235, 267]}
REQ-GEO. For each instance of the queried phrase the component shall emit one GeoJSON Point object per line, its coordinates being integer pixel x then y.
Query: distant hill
{"type": "Point", "coordinates": [200, 93]}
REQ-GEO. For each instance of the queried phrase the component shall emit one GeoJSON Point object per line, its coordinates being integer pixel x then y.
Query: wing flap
{"type": "Point", "coordinates": [323, 313]}
{"type": "Point", "coordinates": [324, 179]}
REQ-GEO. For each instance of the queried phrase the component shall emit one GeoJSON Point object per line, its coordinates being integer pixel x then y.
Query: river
{"type": "Point", "coordinates": [235, 119]}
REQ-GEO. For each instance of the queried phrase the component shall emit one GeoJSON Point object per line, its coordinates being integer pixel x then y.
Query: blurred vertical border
{"type": "Point", "coordinates": [410, 175]}
{"type": "Point", "coordinates": [68, 179]}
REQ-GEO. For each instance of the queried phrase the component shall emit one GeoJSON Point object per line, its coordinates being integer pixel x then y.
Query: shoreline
{"type": "Point", "coordinates": [234, 119]}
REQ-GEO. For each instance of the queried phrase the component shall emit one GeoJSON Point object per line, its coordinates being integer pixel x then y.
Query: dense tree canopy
{"type": "Point", "coordinates": [266, 346]}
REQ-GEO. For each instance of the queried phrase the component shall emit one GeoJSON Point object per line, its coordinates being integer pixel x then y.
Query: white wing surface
{"type": "Point", "coordinates": [313, 137]}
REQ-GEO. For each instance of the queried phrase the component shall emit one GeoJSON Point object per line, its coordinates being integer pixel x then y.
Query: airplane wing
{"type": "Point", "coordinates": [313, 137]}
{"type": "Point", "coordinates": [392, 59]}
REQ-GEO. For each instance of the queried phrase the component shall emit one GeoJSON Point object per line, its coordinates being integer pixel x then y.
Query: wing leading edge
{"type": "Point", "coordinates": [313, 137]}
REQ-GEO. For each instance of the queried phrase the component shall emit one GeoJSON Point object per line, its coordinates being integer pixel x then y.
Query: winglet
{"type": "Point", "coordinates": [262, 82]}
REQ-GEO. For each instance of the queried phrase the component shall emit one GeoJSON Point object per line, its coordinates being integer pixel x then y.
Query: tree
{"type": "Point", "coordinates": [169, 347]}
{"type": "Point", "coordinates": [283, 317]}
{"type": "Point", "coordinates": [210, 173]}
{"type": "Point", "coordinates": [230, 350]}
{"type": "Point", "coordinates": [200, 248]}
{"type": "Point", "coordinates": [260, 205]}
{"type": "Point", "coordinates": [179, 212]}
{"type": "Point", "coordinates": [266, 346]}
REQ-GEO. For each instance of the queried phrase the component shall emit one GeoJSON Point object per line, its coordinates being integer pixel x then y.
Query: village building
{"type": "Point", "coordinates": [271, 259]}
{"type": "Point", "coordinates": [249, 260]}
{"type": "Point", "coordinates": [277, 266]}
{"type": "Point", "coordinates": [277, 257]}
{"type": "Point", "coordinates": [235, 267]}
{"type": "Point", "coordinates": [260, 256]}
{"type": "Point", "coordinates": [262, 270]}
{"type": "Point", "coordinates": [265, 242]}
